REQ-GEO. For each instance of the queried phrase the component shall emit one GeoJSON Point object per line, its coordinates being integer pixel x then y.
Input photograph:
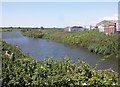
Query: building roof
{"type": "Point", "coordinates": [77, 27]}
{"type": "Point", "coordinates": [107, 22]}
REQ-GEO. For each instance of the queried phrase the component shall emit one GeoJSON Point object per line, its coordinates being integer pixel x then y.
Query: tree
{"type": "Point", "coordinates": [42, 27]}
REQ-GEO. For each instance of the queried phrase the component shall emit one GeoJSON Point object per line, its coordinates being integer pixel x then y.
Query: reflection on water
{"type": "Point", "coordinates": [41, 48]}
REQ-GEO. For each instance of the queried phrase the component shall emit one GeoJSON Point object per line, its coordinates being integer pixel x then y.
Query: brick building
{"type": "Point", "coordinates": [108, 26]}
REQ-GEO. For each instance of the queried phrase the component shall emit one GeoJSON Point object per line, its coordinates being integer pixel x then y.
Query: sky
{"type": "Point", "coordinates": [57, 14]}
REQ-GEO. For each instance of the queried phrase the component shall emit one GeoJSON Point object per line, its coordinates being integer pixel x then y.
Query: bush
{"type": "Point", "coordinates": [26, 72]}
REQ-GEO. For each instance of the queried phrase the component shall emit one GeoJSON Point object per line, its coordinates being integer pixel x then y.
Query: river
{"type": "Point", "coordinates": [41, 48]}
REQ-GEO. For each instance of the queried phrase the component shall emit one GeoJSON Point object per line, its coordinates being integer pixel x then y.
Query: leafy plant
{"type": "Point", "coordinates": [26, 72]}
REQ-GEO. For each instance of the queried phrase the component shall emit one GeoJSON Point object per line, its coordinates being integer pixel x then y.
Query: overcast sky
{"type": "Point", "coordinates": [57, 14]}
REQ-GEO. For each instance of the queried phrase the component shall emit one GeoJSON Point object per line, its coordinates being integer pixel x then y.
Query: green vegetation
{"type": "Point", "coordinates": [9, 29]}
{"type": "Point", "coordinates": [92, 40]}
{"type": "Point", "coordinates": [40, 33]}
{"type": "Point", "coordinates": [26, 72]}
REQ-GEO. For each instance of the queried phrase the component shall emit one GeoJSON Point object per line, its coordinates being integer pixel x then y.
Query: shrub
{"type": "Point", "coordinates": [26, 72]}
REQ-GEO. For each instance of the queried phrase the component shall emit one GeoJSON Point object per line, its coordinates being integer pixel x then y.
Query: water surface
{"type": "Point", "coordinates": [41, 48]}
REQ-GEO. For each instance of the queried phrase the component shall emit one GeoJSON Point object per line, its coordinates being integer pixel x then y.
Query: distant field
{"type": "Point", "coordinates": [19, 29]}
{"type": "Point", "coordinates": [9, 29]}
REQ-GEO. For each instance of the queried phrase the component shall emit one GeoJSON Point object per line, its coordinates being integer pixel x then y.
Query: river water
{"type": "Point", "coordinates": [41, 48]}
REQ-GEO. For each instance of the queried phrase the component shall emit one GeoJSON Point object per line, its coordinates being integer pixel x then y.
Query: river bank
{"type": "Point", "coordinates": [25, 71]}
{"type": "Point", "coordinates": [39, 49]}
{"type": "Point", "coordinates": [92, 40]}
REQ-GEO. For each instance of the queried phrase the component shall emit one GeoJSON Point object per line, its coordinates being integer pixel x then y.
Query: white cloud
{"type": "Point", "coordinates": [97, 20]}
{"type": "Point", "coordinates": [113, 17]}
